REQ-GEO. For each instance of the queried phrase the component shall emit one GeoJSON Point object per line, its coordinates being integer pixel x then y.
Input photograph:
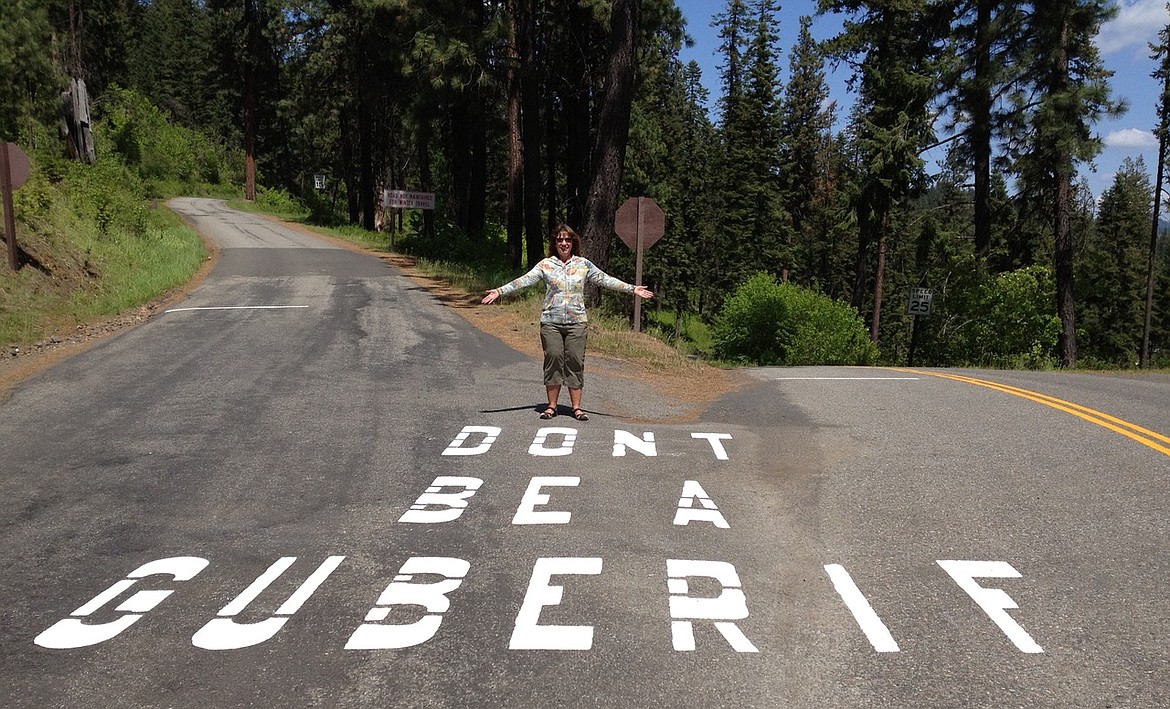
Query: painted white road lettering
{"type": "Point", "coordinates": [644, 445]}
{"type": "Point", "coordinates": [993, 601]}
{"type": "Point", "coordinates": [405, 591]}
{"type": "Point", "coordinates": [453, 503]}
{"type": "Point", "coordinates": [526, 513]}
{"type": "Point", "coordinates": [729, 605]}
{"type": "Point", "coordinates": [693, 492]}
{"type": "Point", "coordinates": [538, 448]}
{"type": "Point", "coordinates": [225, 633]}
{"type": "Point", "coordinates": [869, 622]}
{"type": "Point", "coordinates": [71, 632]}
{"type": "Point", "coordinates": [490, 434]}
{"type": "Point", "coordinates": [714, 439]}
{"type": "Point", "coordinates": [528, 633]}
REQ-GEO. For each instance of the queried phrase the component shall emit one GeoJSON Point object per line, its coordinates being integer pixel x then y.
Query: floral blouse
{"type": "Point", "coordinates": [564, 297]}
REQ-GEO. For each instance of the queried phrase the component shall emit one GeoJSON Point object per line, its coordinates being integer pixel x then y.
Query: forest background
{"type": "Point", "coordinates": [793, 239]}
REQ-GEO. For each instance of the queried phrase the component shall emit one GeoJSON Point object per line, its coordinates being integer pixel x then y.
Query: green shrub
{"type": "Point", "coordinates": [1009, 321]}
{"type": "Point", "coordinates": [279, 201]}
{"type": "Point", "coordinates": [169, 157]}
{"type": "Point", "coordinates": [770, 323]}
{"type": "Point", "coordinates": [751, 325]}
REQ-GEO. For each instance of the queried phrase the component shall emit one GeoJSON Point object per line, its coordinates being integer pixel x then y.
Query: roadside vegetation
{"type": "Point", "coordinates": [794, 227]}
{"type": "Point", "coordinates": [96, 240]}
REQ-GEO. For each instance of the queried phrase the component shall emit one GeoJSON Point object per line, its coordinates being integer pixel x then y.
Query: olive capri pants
{"type": "Point", "coordinates": [564, 354]}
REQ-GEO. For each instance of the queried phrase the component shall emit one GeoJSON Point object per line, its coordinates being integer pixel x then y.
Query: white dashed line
{"type": "Point", "coordinates": [237, 307]}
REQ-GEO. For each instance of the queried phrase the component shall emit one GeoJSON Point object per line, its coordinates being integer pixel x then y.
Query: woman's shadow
{"type": "Point", "coordinates": [562, 410]}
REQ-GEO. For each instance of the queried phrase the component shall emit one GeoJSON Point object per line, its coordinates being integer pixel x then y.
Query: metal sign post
{"type": "Point", "coordinates": [640, 223]}
{"type": "Point", "coordinates": [918, 304]}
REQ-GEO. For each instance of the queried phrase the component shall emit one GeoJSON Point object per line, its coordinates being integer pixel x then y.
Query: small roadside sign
{"type": "Point", "coordinates": [639, 223]}
{"type": "Point", "coordinates": [919, 303]}
{"type": "Point", "coordinates": [319, 181]}
{"type": "Point", "coordinates": [406, 199]}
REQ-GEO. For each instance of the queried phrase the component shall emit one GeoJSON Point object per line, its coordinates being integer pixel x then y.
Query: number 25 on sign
{"type": "Point", "coordinates": [920, 301]}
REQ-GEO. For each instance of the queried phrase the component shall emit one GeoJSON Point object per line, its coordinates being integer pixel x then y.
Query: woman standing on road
{"type": "Point", "coordinates": [563, 328]}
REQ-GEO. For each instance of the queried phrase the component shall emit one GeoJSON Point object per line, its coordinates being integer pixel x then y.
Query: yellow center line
{"type": "Point", "coordinates": [1132, 431]}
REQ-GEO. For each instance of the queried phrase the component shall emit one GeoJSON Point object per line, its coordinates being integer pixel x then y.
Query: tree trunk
{"type": "Point", "coordinates": [879, 274]}
{"type": "Point", "coordinates": [612, 133]}
{"type": "Point", "coordinates": [458, 157]}
{"type": "Point", "coordinates": [249, 135]}
{"type": "Point", "coordinates": [477, 177]}
{"type": "Point", "coordinates": [577, 117]}
{"type": "Point", "coordinates": [515, 155]}
{"type": "Point", "coordinates": [1061, 224]}
{"type": "Point", "coordinates": [530, 117]}
{"type": "Point", "coordinates": [981, 131]}
{"type": "Point", "coordinates": [1063, 267]}
{"type": "Point", "coordinates": [550, 166]}
{"type": "Point", "coordinates": [351, 187]}
{"type": "Point", "coordinates": [1163, 125]}
{"type": "Point", "coordinates": [424, 174]}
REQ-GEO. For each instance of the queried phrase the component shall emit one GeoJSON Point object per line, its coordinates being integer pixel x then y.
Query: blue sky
{"type": "Point", "coordinates": [1123, 43]}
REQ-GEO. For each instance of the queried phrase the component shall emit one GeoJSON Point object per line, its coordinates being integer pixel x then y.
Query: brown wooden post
{"type": "Point", "coordinates": [9, 218]}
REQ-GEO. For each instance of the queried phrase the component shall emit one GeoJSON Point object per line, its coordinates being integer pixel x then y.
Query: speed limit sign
{"type": "Point", "coordinates": [920, 301]}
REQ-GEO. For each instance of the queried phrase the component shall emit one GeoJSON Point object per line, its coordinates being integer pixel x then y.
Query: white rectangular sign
{"type": "Point", "coordinates": [920, 301]}
{"type": "Point", "coordinates": [405, 199]}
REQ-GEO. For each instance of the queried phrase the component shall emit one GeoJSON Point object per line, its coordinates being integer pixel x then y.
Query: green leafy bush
{"type": "Point", "coordinates": [770, 323]}
{"type": "Point", "coordinates": [169, 158]}
{"type": "Point", "coordinates": [279, 201]}
{"type": "Point", "coordinates": [1009, 321]}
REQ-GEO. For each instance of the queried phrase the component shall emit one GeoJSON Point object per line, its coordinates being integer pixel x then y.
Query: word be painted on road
{"type": "Point", "coordinates": [422, 584]}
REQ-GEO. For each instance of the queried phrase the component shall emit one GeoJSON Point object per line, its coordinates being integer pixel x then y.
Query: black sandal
{"type": "Point", "coordinates": [580, 415]}
{"type": "Point", "coordinates": [548, 413]}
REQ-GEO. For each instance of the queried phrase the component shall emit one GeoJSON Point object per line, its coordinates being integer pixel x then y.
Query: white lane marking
{"type": "Point", "coordinates": [994, 602]}
{"type": "Point", "coordinates": [844, 379]}
{"type": "Point", "coordinates": [237, 307]}
{"type": "Point", "coordinates": [875, 630]}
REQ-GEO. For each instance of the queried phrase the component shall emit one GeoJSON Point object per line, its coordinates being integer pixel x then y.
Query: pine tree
{"type": "Point", "coordinates": [896, 47]}
{"type": "Point", "coordinates": [984, 49]}
{"type": "Point", "coordinates": [1161, 54]}
{"type": "Point", "coordinates": [1064, 70]}
{"type": "Point", "coordinates": [755, 228]}
{"type": "Point", "coordinates": [806, 169]}
{"type": "Point", "coordinates": [29, 89]}
{"type": "Point", "coordinates": [1111, 269]}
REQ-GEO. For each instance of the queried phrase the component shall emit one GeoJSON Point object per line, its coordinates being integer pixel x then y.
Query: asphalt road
{"type": "Point", "coordinates": [310, 484]}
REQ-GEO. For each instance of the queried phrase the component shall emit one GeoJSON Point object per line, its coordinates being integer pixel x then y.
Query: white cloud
{"type": "Point", "coordinates": [1131, 138]}
{"type": "Point", "coordinates": [1137, 24]}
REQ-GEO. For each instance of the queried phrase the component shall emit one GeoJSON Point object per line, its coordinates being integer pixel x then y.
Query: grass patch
{"type": "Point", "coordinates": [77, 269]}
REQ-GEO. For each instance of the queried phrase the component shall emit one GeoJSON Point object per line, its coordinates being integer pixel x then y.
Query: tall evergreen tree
{"type": "Point", "coordinates": [29, 89]}
{"type": "Point", "coordinates": [1111, 269]}
{"type": "Point", "coordinates": [1071, 85]}
{"type": "Point", "coordinates": [613, 126]}
{"type": "Point", "coordinates": [985, 44]}
{"type": "Point", "coordinates": [1160, 53]}
{"type": "Point", "coordinates": [895, 44]}
{"type": "Point", "coordinates": [167, 57]}
{"type": "Point", "coordinates": [757, 231]}
{"type": "Point", "coordinates": [806, 168]}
